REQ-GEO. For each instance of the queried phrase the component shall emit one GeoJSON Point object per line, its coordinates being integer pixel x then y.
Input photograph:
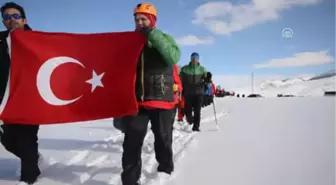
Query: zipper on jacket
{"type": "Point", "coordinates": [194, 74]}
{"type": "Point", "coordinates": [142, 76]}
{"type": "Point", "coordinates": [162, 84]}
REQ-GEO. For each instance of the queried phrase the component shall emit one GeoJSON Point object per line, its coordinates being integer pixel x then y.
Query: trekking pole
{"type": "Point", "coordinates": [214, 108]}
{"type": "Point", "coordinates": [1, 129]}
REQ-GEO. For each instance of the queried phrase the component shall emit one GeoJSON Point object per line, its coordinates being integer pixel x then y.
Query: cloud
{"type": "Point", "coordinates": [299, 60]}
{"type": "Point", "coordinates": [192, 40]}
{"type": "Point", "coordinates": [224, 18]}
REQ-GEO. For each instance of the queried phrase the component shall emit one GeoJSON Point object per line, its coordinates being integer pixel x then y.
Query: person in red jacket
{"type": "Point", "coordinates": [177, 90]}
{"type": "Point", "coordinates": [155, 96]}
{"type": "Point", "coordinates": [213, 88]}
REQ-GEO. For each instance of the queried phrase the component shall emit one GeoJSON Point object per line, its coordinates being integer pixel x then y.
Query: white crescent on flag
{"type": "Point", "coordinates": [43, 80]}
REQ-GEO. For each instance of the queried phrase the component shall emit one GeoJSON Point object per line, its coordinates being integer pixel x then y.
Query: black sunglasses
{"type": "Point", "coordinates": [16, 16]}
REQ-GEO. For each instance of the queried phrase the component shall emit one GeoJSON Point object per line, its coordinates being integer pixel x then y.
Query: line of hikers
{"type": "Point", "coordinates": [160, 91]}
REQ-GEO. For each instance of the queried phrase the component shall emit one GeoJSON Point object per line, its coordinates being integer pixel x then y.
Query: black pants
{"type": "Point", "coordinates": [117, 123]}
{"type": "Point", "coordinates": [193, 106]}
{"type": "Point", "coordinates": [135, 132]}
{"type": "Point", "coordinates": [205, 101]}
{"type": "Point", "coordinates": [208, 100]}
{"type": "Point", "coordinates": [211, 99]}
{"type": "Point", "coordinates": [21, 140]}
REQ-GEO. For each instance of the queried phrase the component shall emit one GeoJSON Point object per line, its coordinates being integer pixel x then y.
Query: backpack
{"type": "Point", "coordinates": [208, 89]}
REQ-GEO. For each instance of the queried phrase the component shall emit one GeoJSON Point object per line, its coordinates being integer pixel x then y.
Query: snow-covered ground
{"type": "Point", "coordinates": [272, 141]}
{"type": "Point", "coordinates": [90, 153]}
{"type": "Point", "coordinates": [269, 141]}
{"type": "Point", "coordinates": [295, 86]}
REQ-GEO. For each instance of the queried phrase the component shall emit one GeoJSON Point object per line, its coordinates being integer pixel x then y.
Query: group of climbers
{"type": "Point", "coordinates": [159, 88]}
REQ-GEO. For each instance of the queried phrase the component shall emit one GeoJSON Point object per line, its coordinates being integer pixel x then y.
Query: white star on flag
{"type": "Point", "coordinates": [95, 81]}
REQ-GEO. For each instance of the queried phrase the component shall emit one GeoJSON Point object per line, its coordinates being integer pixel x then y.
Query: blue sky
{"type": "Point", "coordinates": [252, 35]}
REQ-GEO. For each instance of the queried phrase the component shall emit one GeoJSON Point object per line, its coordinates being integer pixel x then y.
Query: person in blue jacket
{"type": "Point", "coordinates": [208, 97]}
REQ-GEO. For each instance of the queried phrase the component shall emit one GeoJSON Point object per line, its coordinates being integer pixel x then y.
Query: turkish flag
{"type": "Point", "coordinates": [62, 77]}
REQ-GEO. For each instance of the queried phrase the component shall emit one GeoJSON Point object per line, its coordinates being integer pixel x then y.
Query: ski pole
{"type": "Point", "coordinates": [214, 108]}
{"type": "Point", "coordinates": [1, 129]}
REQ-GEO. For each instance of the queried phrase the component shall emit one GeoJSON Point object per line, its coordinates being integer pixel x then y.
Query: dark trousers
{"type": "Point", "coordinates": [193, 105]}
{"type": "Point", "coordinates": [135, 132]}
{"type": "Point", "coordinates": [117, 123]}
{"type": "Point", "coordinates": [21, 140]}
{"type": "Point", "coordinates": [211, 99]}
{"type": "Point", "coordinates": [207, 100]}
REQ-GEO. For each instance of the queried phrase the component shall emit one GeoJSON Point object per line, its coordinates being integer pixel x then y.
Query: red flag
{"type": "Point", "coordinates": [62, 78]}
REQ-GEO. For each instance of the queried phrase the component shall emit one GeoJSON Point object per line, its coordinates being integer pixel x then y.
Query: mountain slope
{"type": "Point", "coordinates": [328, 74]}
{"type": "Point", "coordinates": [295, 86]}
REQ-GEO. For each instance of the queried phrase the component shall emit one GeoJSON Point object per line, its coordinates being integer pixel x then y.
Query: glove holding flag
{"type": "Point", "coordinates": [62, 77]}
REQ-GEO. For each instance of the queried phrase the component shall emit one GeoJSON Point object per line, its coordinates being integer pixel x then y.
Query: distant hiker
{"type": "Point", "coordinates": [193, 78]}
{"type": "Point", "coordinates": [210, 90]}
{"type": "Point", "coordinates": [177, 88]}
{"type": "Point", "coordinates": [155, 96]}
{"type": "Point", "coordinates": [19, 139]}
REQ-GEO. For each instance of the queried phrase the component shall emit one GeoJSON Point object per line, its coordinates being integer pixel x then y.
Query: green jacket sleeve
{"type": "Point", "coordinates": [182, 75]}
{"type": "Point", "coordinates": [166, 46]}
{"type": "Point", "coordinates": [205, 74]}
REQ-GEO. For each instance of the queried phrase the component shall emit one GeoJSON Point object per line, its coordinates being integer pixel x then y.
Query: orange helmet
{"type": "Point", "coordinates": [145, 8]}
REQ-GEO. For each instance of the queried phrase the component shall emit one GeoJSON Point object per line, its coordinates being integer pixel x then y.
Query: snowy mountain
{"type": "Point", "coordinates": [280, 83]}
{"type": "Point", "coordinates": [328, 74]}
{"type": "Point", "coordinates": [292, 86]}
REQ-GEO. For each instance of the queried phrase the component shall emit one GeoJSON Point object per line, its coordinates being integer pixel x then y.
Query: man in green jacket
{"type": "Point", "coordinates": [193, 78]}
{"type": "Point", "coordinates": [154, 92]}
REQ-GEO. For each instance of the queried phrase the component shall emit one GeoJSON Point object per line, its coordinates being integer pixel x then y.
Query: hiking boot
{"type": "Point", "coordinates": [196, 129]}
